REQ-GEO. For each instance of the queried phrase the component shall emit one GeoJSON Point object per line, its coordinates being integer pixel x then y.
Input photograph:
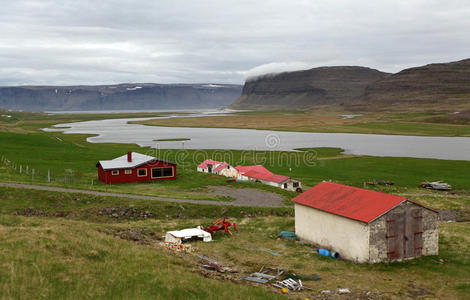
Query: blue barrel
{"type": "Point", "coordinates": [335, 254]}
{"type": "Point", "coordinates": [323, 252]}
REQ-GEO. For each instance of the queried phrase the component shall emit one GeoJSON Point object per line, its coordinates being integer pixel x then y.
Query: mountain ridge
{"type": "Point", "coordinates": [316, 86]}
{"type": "Point", "coordinates": [124, 96]}
{"type": "Point", "coordinates": [362, 87]}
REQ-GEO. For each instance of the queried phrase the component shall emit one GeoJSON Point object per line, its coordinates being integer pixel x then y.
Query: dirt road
{"type": "Point", "coordinates": [243, 197]}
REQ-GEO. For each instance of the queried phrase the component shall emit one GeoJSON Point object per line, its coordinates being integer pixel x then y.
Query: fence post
{"type": "Point", "coordinates": [27, 169]}
{"type": "Point", "coordinates": [48, 175]}
{"type": "Point", "coordinates": [21, 169]}
{"type": "Point", "coordinates": [32, 175]}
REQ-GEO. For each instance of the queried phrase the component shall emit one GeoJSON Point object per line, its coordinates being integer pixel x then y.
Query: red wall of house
{"type": "Point", "coordinates": [107, 177]}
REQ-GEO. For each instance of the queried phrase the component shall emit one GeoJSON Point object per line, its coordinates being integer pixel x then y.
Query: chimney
{"type": "Point", "coordinates": [129, 156]}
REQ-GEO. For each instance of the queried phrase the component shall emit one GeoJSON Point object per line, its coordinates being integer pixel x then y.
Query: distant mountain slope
{"type": "Point", "coordinates": [118, 97]}
{"type": "Point", "coordinates": [325, 85]}
{"type": "Point", "coordinates": [430, 83]}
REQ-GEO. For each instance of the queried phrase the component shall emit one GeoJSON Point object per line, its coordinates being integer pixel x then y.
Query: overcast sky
{"type": "Point", "coordinates": [222, 41]}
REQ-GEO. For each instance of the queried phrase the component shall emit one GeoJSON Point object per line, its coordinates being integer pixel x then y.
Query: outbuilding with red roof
{"type": "Point", "coordinates": [364, 225]}
{"type": "Point", "coordinates": [261, 174]}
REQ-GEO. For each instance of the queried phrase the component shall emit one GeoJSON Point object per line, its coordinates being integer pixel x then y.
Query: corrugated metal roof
{"type": "Point", "coordinates": [220, 167]}
{"type": "Point", "coordinates": [347, 201]}
{"type": "Point", "coordinates": [266, 176]}
{"type": "Point", "coordinates": [204, 164]}
{"type": "Point", "coordinates": [257, 168]}
{"type": "Point", "coordinates": [122, 163]}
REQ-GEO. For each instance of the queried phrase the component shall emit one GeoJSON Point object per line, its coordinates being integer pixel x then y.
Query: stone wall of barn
{"type": "Point", "coordinates": [378, 232]}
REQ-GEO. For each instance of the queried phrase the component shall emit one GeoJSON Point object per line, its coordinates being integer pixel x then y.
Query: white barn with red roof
{"type": "Point", "coordinates": [208, 165]}
{"type": "Point", "coordinates": [365, 226]}
{"type": "Point", "coordinates": [263, 175]}
{"type": "Point", "coordinates": [217, 167]}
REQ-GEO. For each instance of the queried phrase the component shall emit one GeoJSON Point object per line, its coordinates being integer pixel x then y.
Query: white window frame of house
{"type": "Point", "coordinates": [172, 172]}
{"type": "Point", "coordinates": [128, 171]}
{"type": "Point", "coordinates": [115, 172]}
{"type": "Point", "coordinates": [138, 175]}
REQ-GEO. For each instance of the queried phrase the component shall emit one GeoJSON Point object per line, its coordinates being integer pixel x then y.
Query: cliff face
{"type": "Point", "coordinates": [318, 86]}
{"type": "Point", "coordinates": [118, 97]}
{"type": "Point", "coordinates": [430, 83]}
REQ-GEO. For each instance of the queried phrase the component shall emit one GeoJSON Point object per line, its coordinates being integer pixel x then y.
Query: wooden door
{"type": "Point", "coordinates": [404, 234]}
{"type": "Point", "coordinates": [414, 233]}
{"type": "Point", "coordinates": [395, 236]}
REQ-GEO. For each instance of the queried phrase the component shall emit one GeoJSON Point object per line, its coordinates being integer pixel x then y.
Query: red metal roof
{"type": "Point", "coordinates": [220, 167]}
{"type": "Point", "coordinates": [257, 168]}
{"type": "Point", "coordinates": [204, 164]}
{"type": "Point", "coordinates": [347, 201]}
{"type": "Point", "coordinates": [266, 176]}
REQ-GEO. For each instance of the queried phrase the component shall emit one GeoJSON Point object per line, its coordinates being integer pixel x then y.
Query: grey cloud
{"type": "Point", "coordinates": [99, 42]}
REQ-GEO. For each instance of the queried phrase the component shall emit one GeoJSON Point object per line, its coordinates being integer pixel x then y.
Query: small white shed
{"type": "Point", "coordinates": [179, 236]}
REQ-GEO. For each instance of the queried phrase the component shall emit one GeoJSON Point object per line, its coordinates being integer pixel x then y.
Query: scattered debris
{"type": "Point", "coordinates": [294, 276]}
{"type": "Point", "coordinates": [436, 185]}
{"type": "Point", "coordinates": [349, 116]}
{"type": "Point", "coordinates": [179, 236]}
{"type": "Point", "coordinates": [212, 264]}
{"type": "Point", "coordinates": [258, 277]}
{"type": "Point", "coordinates": [441, 261]}
{"type": "Point", "coordinates": [326, 252]}
{"type": "Point", "coordinates": [385, 182]}
{"type": "Point", "coordinates": [220, 225]}
{"type": "Point", "coordinates": [289, 284]}
{"type": "Point", "coordinates": [380, 182]}
{"type": "Point", "coordinates": [263, 277]}
{"type": "Point", "coordinates": [178, 247]}
{"type": "Point", "coordinates": [288, 235]}
{"type": "Point", "coordinates": [263, 249]}
{"type": "Point", "coordinates": [341, 291]}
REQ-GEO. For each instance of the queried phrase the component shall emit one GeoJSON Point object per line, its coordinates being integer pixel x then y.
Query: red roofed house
{"type": "Point", "coordinates": [207, 165]}
{"type": "Point", "coordinates": [217, 167]}
{"type": "Point", "coordinates": [365, 226]}
{"type": "Point", "coordinates": [134, 167]}
{"type": "Point", "coordinates": [263, 175]}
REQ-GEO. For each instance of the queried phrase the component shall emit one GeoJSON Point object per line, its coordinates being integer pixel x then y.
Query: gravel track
{"type": "Point", "coordinates": [243, 196]}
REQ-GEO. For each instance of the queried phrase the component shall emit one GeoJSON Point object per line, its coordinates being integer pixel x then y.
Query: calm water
{"type": "Point", "coordinates": [119, 131]}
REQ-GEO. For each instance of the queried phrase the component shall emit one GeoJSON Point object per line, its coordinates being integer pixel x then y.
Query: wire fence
{"type": "Point", "coordinates": [12, 171]}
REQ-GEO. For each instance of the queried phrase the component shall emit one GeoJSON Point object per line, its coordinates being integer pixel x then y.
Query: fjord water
{"type": "Point", "coordinates": [120, 131]}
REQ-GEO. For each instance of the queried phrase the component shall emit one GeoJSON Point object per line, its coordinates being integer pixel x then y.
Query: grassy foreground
{"type": "Point", "coordinates": [87, 256]}
{"type": "Point", "coordinates": [62, 259]}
